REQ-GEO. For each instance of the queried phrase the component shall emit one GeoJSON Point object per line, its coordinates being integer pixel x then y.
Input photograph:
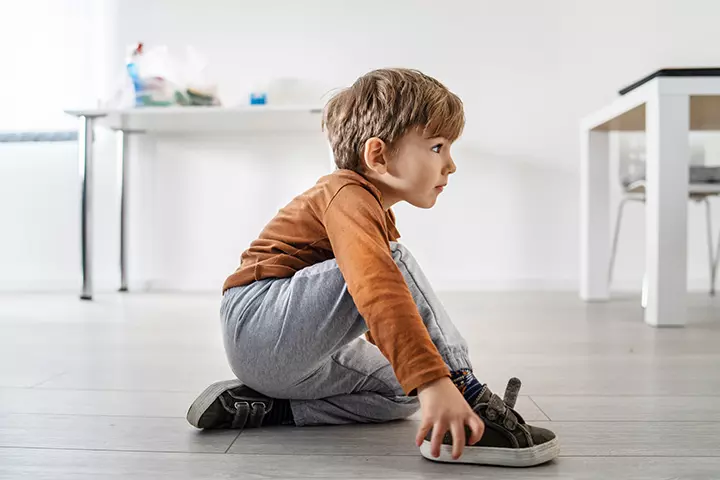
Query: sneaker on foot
{"type": "Point", "coordinates": [229, 404]}
{"type": "Point", "coordinates": [508, 441]}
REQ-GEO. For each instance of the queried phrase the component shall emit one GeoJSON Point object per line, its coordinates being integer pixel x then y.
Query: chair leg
{"type": "Point", "coordinates": [711, 254]}
{"type": "Point", "coordinates": [616, 238]}
{"type": "Point", "coordinates": [716, 266]}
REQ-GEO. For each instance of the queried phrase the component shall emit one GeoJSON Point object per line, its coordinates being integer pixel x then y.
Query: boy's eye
{"type": "Point", "coordinates": [437, 148]}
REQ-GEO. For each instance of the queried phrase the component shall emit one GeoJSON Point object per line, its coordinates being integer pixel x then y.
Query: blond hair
{"type": "Point", "coordinates": [385, 104]}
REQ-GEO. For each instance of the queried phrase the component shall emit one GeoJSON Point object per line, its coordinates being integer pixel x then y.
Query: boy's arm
{"type": "Point", "coordinates": [355, 223]}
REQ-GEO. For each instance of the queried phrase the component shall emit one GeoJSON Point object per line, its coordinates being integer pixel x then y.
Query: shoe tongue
{"type": "Point", "coordinates": [484, 397]}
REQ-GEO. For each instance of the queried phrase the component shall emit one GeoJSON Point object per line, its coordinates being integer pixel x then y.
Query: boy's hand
{"type": "Point", "coordinates": [444, 408]}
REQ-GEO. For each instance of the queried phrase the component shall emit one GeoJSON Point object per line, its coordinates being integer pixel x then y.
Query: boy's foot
{"type": "Point", "coordinates": [230, 404]}
{"type": "Point", "coordinates": [508, 441]}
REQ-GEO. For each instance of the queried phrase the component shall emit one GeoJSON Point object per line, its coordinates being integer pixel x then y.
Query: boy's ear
{"type": "Point", "coordinates": [374, 155]}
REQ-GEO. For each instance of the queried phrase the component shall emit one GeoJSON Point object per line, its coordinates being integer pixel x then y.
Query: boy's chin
{"type": "Point", "coordinates": [424, 203]}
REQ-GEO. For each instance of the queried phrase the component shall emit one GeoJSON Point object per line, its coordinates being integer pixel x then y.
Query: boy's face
{"type": "Point", "coordinates": [418, 169]}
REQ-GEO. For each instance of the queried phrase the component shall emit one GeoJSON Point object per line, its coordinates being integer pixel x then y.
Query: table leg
{"type": "Point", "coordinates": [85, 157]}
{"type": "Point", "coordinates": [123, 149]}
{"type": "Point", "coordinates": [594, 215]}
{"type": "Point", "coordinates": [668, 153]}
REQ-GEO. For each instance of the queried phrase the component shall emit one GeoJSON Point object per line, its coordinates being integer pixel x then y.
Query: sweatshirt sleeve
{"type": "Point", "coordinates": [356, 228]}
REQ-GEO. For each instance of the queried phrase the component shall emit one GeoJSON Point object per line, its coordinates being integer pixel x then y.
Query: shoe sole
{"type": "Point", "coordinates": [502, 457]}
{"type": "Point", "coordinates": [206, 398]}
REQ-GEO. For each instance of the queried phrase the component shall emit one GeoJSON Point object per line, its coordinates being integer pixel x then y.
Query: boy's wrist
{"type": "Point", "coordinates": [433, 383]}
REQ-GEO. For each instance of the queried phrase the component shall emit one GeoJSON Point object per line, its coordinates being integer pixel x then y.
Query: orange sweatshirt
{"type": "Point", "coordinates": [342, 217]}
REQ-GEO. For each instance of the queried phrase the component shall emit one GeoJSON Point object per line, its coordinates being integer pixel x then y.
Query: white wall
{"type": "Point", "coordinates": [526, 70]}
{"type": "Point", "coordinates": [54, 57]}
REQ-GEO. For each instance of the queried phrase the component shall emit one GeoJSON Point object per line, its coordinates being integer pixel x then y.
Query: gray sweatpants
{"type": "Point", "coordinates": [299, 338]}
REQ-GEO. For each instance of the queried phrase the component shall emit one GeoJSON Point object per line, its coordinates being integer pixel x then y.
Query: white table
{"type": "Point", "coordinates": [182, 120]}
{"type": "Point", "coordinates": [667, 109]}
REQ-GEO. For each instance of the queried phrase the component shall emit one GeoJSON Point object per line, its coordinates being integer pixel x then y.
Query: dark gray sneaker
{"type": "Point", "coordinates": [229, 404]}
{"type": "Point", "coordinates": [508, 441]}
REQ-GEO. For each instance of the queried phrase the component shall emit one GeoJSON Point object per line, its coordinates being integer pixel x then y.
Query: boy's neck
{"type": "Point", "coordinates": [387, 196]}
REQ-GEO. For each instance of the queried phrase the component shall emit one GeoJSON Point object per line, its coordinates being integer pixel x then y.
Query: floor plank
{"type": "Point", "coordinates": [604, 374]}
{"type": "Point", "coordinates": [95, 402]}
{"type": "Point", "coordinates": [630, 409]}
{"type": "Point", "coordinates": [109, 433]}
{"type": "Point", "coordinates": [130, 377]}
{"type": "Point", "coordinates": [70, 465]}
{"type": "Point", "coordinates": [396, 438]}
{"type": "Point", "coordinates": [19, 376]}
{"type": "Point", "coordinates": [648, 439]}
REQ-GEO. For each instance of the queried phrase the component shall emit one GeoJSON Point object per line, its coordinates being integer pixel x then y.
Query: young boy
{"type": "Point", "coordinates": [328, 268]}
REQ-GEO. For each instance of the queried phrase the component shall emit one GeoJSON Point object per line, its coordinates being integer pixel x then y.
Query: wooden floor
{"type": "Point", "coordinates": [96, 390]}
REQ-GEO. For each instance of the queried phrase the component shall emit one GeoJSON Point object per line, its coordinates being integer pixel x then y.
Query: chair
{"type": "Point", "coordinates": [704, 184]}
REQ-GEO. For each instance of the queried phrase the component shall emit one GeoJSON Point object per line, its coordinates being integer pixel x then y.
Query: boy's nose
{"type": "Point", "coordinates": [452, 168]}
